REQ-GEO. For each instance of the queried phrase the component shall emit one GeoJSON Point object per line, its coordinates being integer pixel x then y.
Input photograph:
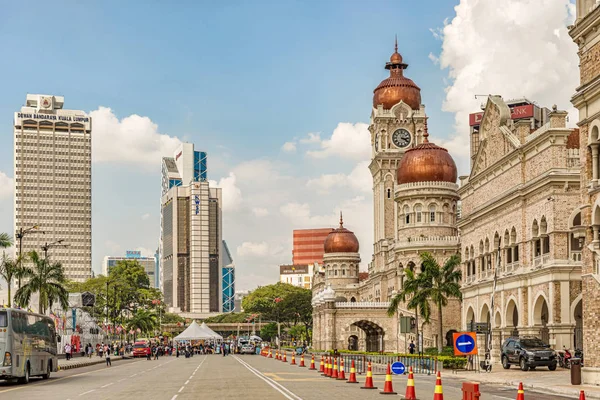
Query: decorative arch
{"type": "Point", "coordinates": [498, 319]}
{"type": "Point", "coordinates": [596, 214]}
{"type": "Point", "coordinates": [594, 132]}
{"type": "Point", "coordinates": [575, 218]}
{"type": "Point", "coordinates": [485, 315]}
{"type": "Point", "coordinates": [469, 316]}
{"type": "Point", "coordinates": [535, 229]}
{"type": "Point", "coordinates": [374, 334]}
{"type": "Point", "coordinates": [541, 313]}
{"type": "Point", "coordinates": [511, 314]}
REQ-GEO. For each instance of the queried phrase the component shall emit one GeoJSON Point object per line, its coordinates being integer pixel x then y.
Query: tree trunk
{"type": "Point", "coordinates": [9, 295]}
{"type": "Point", "coordinates": [440, 331]}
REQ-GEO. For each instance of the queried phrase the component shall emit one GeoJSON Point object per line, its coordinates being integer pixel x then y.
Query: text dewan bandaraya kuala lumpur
{"type": "Point", "coordinates": [66, 118]}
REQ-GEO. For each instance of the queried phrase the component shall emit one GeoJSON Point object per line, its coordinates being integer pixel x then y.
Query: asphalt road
{"type": "Point", "coordinates": [218, 377]}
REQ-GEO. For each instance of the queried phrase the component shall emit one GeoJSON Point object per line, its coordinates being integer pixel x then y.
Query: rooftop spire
{"type": "Point", "coordinates": [396, 45]}
{"type": "Point", "coordinates": [426, 133]}
{"type": "Point", "coordinates": [341, 220]}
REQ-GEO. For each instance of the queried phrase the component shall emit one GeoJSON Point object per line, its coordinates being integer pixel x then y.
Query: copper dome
{"type": "Point", "coordinates": [341, 240]}
{"type": "Point", "coordinates": [397, 87]}
{"type": "Point", "coordinates": [426, 162]}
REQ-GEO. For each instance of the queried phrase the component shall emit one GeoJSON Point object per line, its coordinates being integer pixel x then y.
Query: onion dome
{"type": "Point", "coordinates": [341, 240]}
{"type": "Point", "coordinates": [397, 87]}
{"type": "Point", "coordinates": [329, 294]}
{"type": "Point", "coordinates": [426, 162]}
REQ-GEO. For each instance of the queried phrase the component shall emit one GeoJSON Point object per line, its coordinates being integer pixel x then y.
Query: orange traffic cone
{"type": "Point", "coordinates": [410, 386]}
{"type": "Point", "coordinates": [270, 354]}
{"type": "Point", "coordinates": [438, 393]}
{"type": "Point", "coordinates": [302, 361]}
{"type": "Point", "coordinates": [369, 380]}
{"type": "Point", "coordinates": [326, 367]}
{"type": "Point", "coordinates": [352, 378]}
{"type": "Point", "coordinates": [312, 363]}
{"type": "Point", "coordinates": [322, 366]}
{"type": "Point", "coordinates": [334, 375]}
{"type": "Point", "coordinates": [582, 395]}
{"type": "Point", "coordinates": [342, 374]}
{"type": "Point", "coordinates": [387, 386]}
{"type": "Point", "coordinates": [277, 355]}
{"type": "Point", "coordinates": [520, 392]}
{"type": "Point", "coordinates": [293, 359]}
{"type": "Point", "coordinates": [284, 359]}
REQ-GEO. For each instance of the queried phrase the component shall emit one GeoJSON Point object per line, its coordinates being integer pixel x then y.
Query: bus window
{"type": "Point", "coordinates": [3, 319]}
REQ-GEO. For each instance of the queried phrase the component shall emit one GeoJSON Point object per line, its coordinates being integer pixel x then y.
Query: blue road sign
{"type": "Point", "coordinates": [398, 368]}
{"type": "Point", "coordinates": [465, 344]}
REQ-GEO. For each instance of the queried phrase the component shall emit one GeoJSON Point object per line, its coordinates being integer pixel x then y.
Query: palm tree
{"type": "Point", "coordinates": [440, 284]}
{"type": "Point", "coordinates": [47, 279]}
{"type": "Point", "coordinates": [144, 320]}
{"type": "Point", "coordinates": [413, 291]}
{"type": "Point", "coordinates": [8, 267]}
{"type": "Point", "coordinates": [5, 240]}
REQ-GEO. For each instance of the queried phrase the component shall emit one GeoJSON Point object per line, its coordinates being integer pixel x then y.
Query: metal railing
{"type": "Point", "coordinates": [420, 364]}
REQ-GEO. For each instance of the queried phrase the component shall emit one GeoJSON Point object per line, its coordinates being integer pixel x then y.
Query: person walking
{"type": "Point", "coordinates": [411, 347]}
{"type": "Point", "coordinates": [90, 350]}
{"type": "Point", "coordinates": [107, 355]}
{"type": "Point", "coordinates": [68, 351]}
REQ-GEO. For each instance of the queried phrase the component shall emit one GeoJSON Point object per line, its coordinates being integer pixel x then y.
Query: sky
{"type": "Point", "coordinates": [279, 93]}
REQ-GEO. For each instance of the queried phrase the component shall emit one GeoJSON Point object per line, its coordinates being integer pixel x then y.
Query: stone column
{"type": "Point", "coordinates": [594, 161]}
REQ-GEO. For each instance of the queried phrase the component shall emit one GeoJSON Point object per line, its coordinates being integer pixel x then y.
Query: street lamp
{"type": "Point", "coordinates": [47, 246]}
{"type": "Point", "coordinates": [21, 233]}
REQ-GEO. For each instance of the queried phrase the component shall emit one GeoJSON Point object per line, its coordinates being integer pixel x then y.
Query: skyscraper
{"type": "Point", "coordinates": [53, 182]}
{"type": "Point", "coordinates": [228, 280]}
{"type": "Point", "coordinates": [308, 246]}
{"type": "Point", "coordinates": [191, 234]}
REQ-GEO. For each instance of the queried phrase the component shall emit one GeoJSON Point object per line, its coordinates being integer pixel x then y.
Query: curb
{"type": "Point", "coordinates": [86, 363]}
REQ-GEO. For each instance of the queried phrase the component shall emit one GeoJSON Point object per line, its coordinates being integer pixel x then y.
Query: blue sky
{"type": "Point", "coordinates": [239, 80]}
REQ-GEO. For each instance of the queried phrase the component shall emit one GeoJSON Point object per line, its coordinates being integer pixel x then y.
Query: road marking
{"type": "Point", "coordinates": [180, 389]}
{"type": "Point", "coordinates": [186, 382]}
{"type": "Point", "coordinates": [174, 397]}
{"type": "Point", "coordinates": [131, 376]}
{"type": "Point", "coordinates": [107, 385]}
{"type": "Point", "coordinates": [288, 394]}
{"type": "Point", "coordinates": [191, 376]}
{"type": "Point", "coordinates": [89, 391]}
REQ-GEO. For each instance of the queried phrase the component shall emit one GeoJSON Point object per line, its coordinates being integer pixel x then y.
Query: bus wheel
{"type": "Point", "coordinates": [48, 370]}
{"type": "Point", "coordinates": [25, 379]}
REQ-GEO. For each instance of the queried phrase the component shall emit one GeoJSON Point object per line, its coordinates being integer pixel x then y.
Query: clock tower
{"type": "Point", "coordinates": [397, 124]}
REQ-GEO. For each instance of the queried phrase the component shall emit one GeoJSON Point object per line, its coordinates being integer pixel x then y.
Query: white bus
{"type": "Point", "coordinates": [27, 345]}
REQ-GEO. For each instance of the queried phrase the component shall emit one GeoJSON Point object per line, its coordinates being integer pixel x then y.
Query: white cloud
{"type": "Point", "coordinates": [145, 251]}
{"type": "Point", "coordinates": [289, 147]}
{"type": "Point", "coordinates": [145, 216]}
{"type": "Point", "coordinates": [114, 247]}
{"type": "Point", "coordinates": [350, 141]}
{"type": "Point", "coordinates": [311, 138]}
{"type": "Point", "coordinates": [133, 140]}
{"type": "Point", "coordinates": [253, 249]}
{"type": "Point", "coordinates": [533, 57]}
{"type": "Point", "coordinates": [359, 179]}
{"type": "Point", "coordinates": [6, 186]}
{"type": "Point", "coordinates": [260, 212]}
{"type": "Point", "coordinates": [232, 195]}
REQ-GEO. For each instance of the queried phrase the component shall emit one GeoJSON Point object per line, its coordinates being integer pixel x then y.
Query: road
{"type": "Point", "coordinates": [218, 377]}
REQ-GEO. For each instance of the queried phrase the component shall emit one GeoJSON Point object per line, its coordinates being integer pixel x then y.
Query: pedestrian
{"type": "Point", "coordinates": [68, 351]}
{"type": "Point", "coordinates": [411, 347]}
{"type": "Point", "coordinates": [90, 350]}
{"type": "Point", "coordinates": [107, 355]}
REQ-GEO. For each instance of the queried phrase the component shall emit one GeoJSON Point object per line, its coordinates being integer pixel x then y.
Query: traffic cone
{"type": "Point", "coordinates": [342, 374]}
{"type": "Point", "coordinates": [293, 359]}
{"type": "Point", "coordinates": [322, 366]}
{"type": "Point", "coordinates": [326, 367]}
{"type": "Point", "coordinates": [582, 395]}
{"type": "Point", "coordinates": [270, 354]}
{"type": "Point", "coordinates": [352, 378]}
{"type": "Point", "coordinates": [284, 359]}
{"type": "Point", "coordinates": [329, 367]}
{"type": "Point", "coordinates": [312, 363]}
{"type": "Point", "coordinates": [520, 392]}
{"type": "Point", "coordinates": [387, 386]}
{"type": "Point", "coordinates": [334, 375]}
{"type": "Point", "coordinates": [438, 393]}
{"type": "Point", "coordinates": [277, 355]}
{"type": "Point", "coordinates": [302, 361]}
{"type": "Point", "coordinates": [369, 380]}
{"type": "Point", "coordinates": [410, 386]}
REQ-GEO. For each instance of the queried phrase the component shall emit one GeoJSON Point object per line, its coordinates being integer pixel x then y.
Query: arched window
{"type": "Point", "coordinates": [432, 213]}
{"type": "Point", "coordinates": [389, 193]}
{"type": "Point", "coordinates": [406, 215]}
{"type": "Point", "coordinates": [545, 238]}
{"type": "Point", "coordinates": [418, 212]}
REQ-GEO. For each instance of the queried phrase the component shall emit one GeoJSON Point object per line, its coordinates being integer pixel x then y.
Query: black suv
{"type": "Point", "coordinates": [528, 353]}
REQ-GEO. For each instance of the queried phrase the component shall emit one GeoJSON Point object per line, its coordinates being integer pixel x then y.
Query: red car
{"type": "Point", "coordinates": [141, 349]}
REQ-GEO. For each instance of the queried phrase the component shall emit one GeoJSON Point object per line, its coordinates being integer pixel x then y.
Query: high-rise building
{"type": "Point", "coordinates": [149, 264]}
{"type": "Point", "coordinates": [191, 235]}
{"type": "Point", "coordinates": [228, 283]}
{"type": "Point", "coordinates": [308, 246]}
{"type": "Point", "coordinates": [53, 182]}
{"type": "Point", "coordinates": [157, 269]}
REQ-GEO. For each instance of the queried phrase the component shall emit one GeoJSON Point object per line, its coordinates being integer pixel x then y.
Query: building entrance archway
{"type": "Point", "coordinates": [353, 343]}
{"type": "Point", "coordinates": [540, 318]}
{"type": "Point", "coordinates": [373, 335]}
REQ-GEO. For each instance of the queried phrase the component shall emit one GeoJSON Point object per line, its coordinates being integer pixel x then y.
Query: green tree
{"type": "Point", "coordinates": [228, 318]}
{"type": "Point", "coordinates": [5, 240]}
{"type": "Point", "coordinates": [144, 320]}
{"type": "Point", "coordinates": [270, 302]}
{"type": "Point", "coordinates": [48, 280]}
{"type": "Point", "coordinates": [298, 304]}
{"type": "Point", "coordinates": [8, 267]}
{"type": "Point", "coordinates": [268, 331]}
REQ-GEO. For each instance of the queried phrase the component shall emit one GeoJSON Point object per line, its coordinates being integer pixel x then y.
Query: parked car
{"type": "Point", "coordinates": [141, 349]}
{"type": "Point", "coordinates": [527, 352]}
{"type": "Point", "coordinates": [247, 349]}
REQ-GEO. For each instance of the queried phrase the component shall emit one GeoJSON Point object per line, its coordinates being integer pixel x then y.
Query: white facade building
{"type": "Point", "coordinates": [191, 235]}
{"type": "Point", "coordinates": [149, 264]}
{"type": "Point", "coordinates": [53, 182]}
{"type": "Point", "coordinates": [297, 275]}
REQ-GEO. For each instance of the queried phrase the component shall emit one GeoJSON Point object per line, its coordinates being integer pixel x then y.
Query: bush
{"type": "Point", "coordinates": [446, 351]}
{"type": "Point", "coordinates": [453, 362]}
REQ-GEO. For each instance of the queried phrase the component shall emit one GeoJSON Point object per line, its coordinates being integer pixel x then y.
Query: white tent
{"type": "Point", "coordinates": [214, 334]}
{"type": "Point", "coordinates": [196, 332]}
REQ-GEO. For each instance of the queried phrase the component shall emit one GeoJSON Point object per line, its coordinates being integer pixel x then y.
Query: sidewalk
{"type": "Point", "coordinates": [541, 380]}
{"type": "Point", "coordinates": [84, 361]}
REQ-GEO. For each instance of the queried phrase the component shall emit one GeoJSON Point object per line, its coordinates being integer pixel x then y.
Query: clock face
{"type": "Point", "coordinates": [401, 138]}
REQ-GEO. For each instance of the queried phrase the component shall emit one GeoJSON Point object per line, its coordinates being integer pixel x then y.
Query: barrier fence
{"type": "Point", "coordinates": [419, 364]}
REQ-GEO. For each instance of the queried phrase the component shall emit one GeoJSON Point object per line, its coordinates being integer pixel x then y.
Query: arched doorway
{"type": "Point", "coordinates": [373, 335]}
{"type": "Point", "coordinates": [486, 317]}
{"type": "Point", "coordinates": [540, 318]}
{"type": "Point", "coordinates": [512, 317]}
{"type": "Point", "coordinates": [578, 335]}
{"type": "Point", "coordinates": [470, 319]}
{"type": "Point", "coordinates": [353, 343]}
